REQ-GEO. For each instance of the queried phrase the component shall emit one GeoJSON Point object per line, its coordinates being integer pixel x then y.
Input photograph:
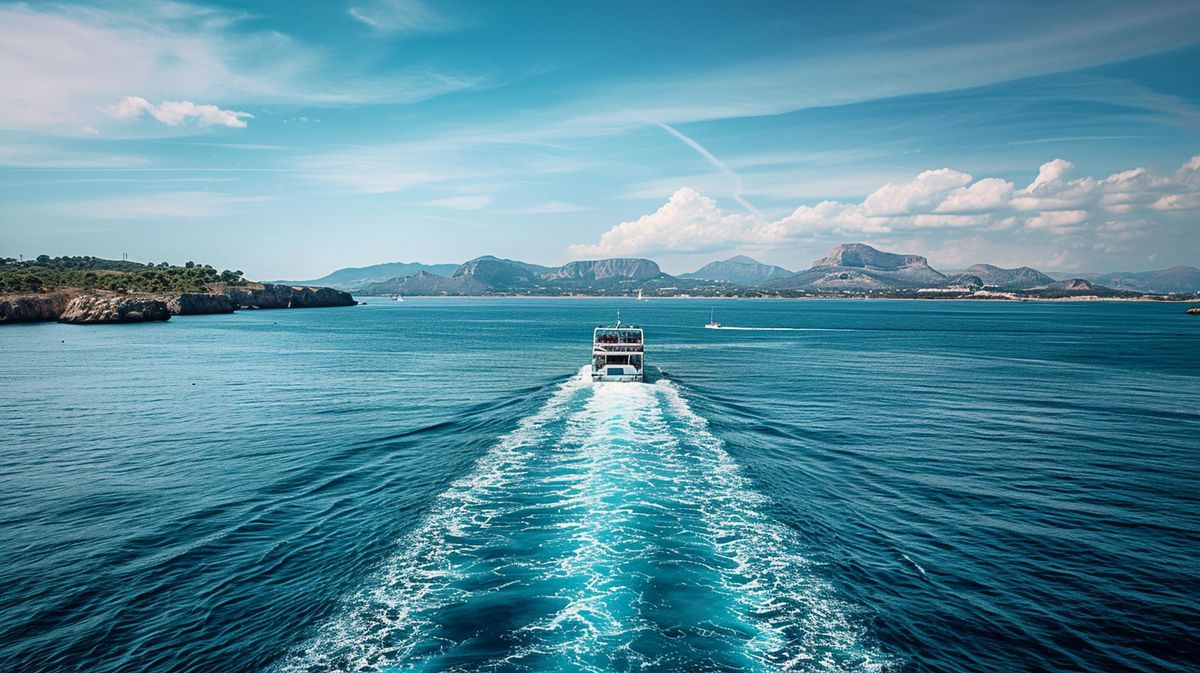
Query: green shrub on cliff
{"type": "Point", "coordinates": [94, 273]}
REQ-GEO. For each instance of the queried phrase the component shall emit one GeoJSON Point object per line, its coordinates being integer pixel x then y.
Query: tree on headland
{"type": "Point", "coordinates": [94, 273]}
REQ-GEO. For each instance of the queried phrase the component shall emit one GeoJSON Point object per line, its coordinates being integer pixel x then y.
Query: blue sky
{"type": "Point", "coordinates": [289, 139]}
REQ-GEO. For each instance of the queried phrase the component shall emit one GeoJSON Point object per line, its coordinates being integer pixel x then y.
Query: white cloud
{"type": "Point", "coordinates": [687, 222]}
{"type": "Point", "coordinates": [1111, 208]}
{"type": "Point", "coordinates": [928, 59]}
{"type": "Point", "coordinates": [181, 205]}
{"type": "Point", "coordinates": [548, 208]}
{"type": "Point", "coordinates": [985, 195]}
{"type": "Point", "coordinates": [176, 112]}
{"type": "Point", "coordinates": [400, 16]}
{"type": "Point", "coordinates": [1059, 221]}
{"type": "Point", "coordinates": [737, 188]}
{"type": "Point", "coordinates": [466, 202]}
{"type": "Point", "coordinates": [1051, 173]}
{"type": "Point", "coordinates": [919, 195]}
{"type": "Point", "coordinates": [64, 66]}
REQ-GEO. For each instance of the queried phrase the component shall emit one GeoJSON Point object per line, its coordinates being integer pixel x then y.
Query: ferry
{"type": "Point", "coordinates": [617, 353]}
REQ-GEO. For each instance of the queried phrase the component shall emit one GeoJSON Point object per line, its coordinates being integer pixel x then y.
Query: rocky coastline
{"type": "Point", "coordinates": [80, 307]}
{"type": "Point", "coordinates": [33, 308]}
{"type": "Point", "coordinates": [87, 309]}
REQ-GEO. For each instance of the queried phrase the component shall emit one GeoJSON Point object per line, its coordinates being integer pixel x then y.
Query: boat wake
{"type": "Point", "coordinates": [610, 531]}
{"type": "Point", "coordinates": [781, 329]}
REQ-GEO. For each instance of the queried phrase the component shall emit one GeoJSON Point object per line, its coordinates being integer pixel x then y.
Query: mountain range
{"type": "Point", "coordinates": [853, 267]}
{"type": "Point", "coordinates": [355, 278]}
{"type": "Point", "coordinates": [740, 270]}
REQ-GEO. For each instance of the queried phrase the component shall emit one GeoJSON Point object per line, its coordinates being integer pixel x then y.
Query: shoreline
{"type": "Point", "coordinates": [1083, 299]}
{"type": "Point", "coordinates": [88, 307]}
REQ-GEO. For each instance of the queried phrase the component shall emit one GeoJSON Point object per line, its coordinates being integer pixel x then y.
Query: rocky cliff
{"type": "Point", "coordinates": [33, 308]}
{"type": "Point", "coordinates": [857, 266]}
{"type": "Point", "coordinates": [601, 269]}
{"type": "Point", "coordinates": [199, 303]}
{"type": "Point", "coordinates": [92, 309]}
{"type": "Point", "coordinates": [863, 256]}
{"type": "Point", "coordinates": [74, 306]}
{"type": "Point", "coordinates": [269, 295]}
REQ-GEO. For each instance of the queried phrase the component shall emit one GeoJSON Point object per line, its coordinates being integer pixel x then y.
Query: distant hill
{"type": "Point", "coordinates": [740, 270]}
{"type": "Point", "coordinates": [965, 280]}
{"type": "Point", "coordinates": [354, 278]}
{"type": "Point", "coordinates": [492, 275]}
{"type": "Point", "coordinates": [500, 275]}
{"type": "Point", "coordinates": [603, 269]}
{"type": "Point", "coordinates": [423, 283]}
{"type": "Point", "coordinates": [853, 267]}
{"type": "Point", "coordinates": [1180, 279]}
{"type": "Point", "coordinates": [857, 266]}
{"type": "Point", "coordinates": [1022, 278]}
{"type": "Point", "coordinates": [1075, 287]}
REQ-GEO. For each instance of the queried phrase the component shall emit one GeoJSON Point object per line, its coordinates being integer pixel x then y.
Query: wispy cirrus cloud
{"type": "Point", "coordinates": [549, 208]}
{"type": "Point", "coordinates": [879, 66]}
{"type": "Point", "coordinates": [160, 206]}
{"type": "Point", "coordinates": [401, 16]}
{"type": "Point", "coordinates": [737, 188]}
{"type": "Point", "coordinates": [465, 202]}
{"type": "Point", "coordinates": [174, 52]}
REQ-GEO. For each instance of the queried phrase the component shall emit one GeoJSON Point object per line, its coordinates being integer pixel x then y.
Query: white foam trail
{"type": "Point", "coordinates": [801, 624]}
{"type": "Point", "coordinates": [915, 565]}
{"type": "Point", "coordinates": [600, 617]}
{"type": "Point", "coordinates": [618, 509]}
{"type": "Point", "coordinates": [383, 624]}
{"type": "Point", "coordinates": [782, 329]}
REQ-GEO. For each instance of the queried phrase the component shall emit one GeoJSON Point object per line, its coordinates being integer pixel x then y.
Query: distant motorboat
{"type": "Point", "coordinates": [399, 298]}
{"type": "Point", "coordinates": [712, 323]}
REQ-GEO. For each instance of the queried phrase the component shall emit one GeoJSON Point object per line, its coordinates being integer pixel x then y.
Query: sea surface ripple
{"type": "Point", "coordinates": [435, 485]}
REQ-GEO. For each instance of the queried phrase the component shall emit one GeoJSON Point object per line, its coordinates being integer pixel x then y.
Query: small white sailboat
{"type": "Point", "coordinates": [640, 296]}
{"type": "Point", "coordinates": [712, 323]}
{"type": "Point", "coordinates": [399, 298]}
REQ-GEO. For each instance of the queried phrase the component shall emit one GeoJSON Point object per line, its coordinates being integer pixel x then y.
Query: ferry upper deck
{"type": "Point", "coordinates": [618, 353]}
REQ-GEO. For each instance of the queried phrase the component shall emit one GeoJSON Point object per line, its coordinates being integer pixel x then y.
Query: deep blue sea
{"type": "Point", "coordinates": [432, 486]}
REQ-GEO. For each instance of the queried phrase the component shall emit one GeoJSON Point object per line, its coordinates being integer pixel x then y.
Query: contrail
{"type": "Point", "coordinates": [717, 163]}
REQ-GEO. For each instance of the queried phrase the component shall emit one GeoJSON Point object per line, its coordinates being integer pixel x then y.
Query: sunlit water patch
{"type": "Point", "coordinates": [610, 531]}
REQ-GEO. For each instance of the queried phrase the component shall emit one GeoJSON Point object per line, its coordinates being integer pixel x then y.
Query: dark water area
{"type": "Point", "coordinates": [432, 486]}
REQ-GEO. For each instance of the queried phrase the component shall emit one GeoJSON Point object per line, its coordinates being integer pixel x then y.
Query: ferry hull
{"type": "Point", "coordinates": [623, 373]}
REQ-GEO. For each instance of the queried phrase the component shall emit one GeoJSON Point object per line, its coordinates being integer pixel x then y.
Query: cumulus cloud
{"type": "Point", "coordinates": [919, 195]}
{"type": "Point", "coordinates": [176, 112]}
{"type": "Point", "coordinates": [1113, 208]}
{"type": "Point", "coordinates": [687, 222]}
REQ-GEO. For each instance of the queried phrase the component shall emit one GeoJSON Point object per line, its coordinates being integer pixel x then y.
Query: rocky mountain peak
{"type": "Point", "coordinates": [863, 256]}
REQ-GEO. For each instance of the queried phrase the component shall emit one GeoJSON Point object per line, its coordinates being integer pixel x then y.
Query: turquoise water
{"type": "Point", "coordinates": [433, 486]}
